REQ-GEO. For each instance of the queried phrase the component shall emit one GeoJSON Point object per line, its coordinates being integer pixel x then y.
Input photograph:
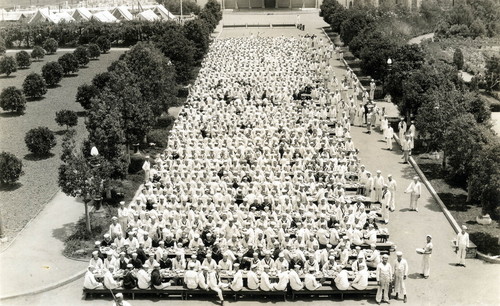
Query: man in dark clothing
{"type": "Point", "coordinates": [165, 262]}
{"type": "Point", "coordinates": [129, 280]}
{"type": "Point", "coordinates": [156, 278]}
{"type": "Point", "coordinates": [135, 261]}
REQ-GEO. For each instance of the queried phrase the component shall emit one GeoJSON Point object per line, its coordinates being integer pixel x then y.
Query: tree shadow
{"type": "Point", "coordinates": [455, 202]}
{"type": "Point", "coordinates": [10, 187]}
{"type": "Point", "coordinates": [81, 113]}
{"type": "Point", "coordinates": [64, 232]}
{"type": "Point", "coordinates": [35, 99]}
{"type": "Point", "coordinates": [71, 75]}
{"type": "Point", "coordinates": [35, 157]}
{"type": "Point", "coordinates": [60, 132]}
{"type": "Point", "coordinates": [432, 205]}
{"type": "Point", "coordinates": [54, 86]}
{"type": "Point", "coordinates": [10, 114]}
{"type": "Point", "coordinates": [10, 76]}
{"type": "Point", "coordinates": [404, 210]}
{"type": "Point", "coordinates": [408, 172]}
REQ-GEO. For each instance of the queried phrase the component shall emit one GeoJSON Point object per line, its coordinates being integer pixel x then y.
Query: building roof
{"type": "Point", "coordinates": [122, 13]}
{"type": "Point", "coordinates": [104, 16]}
{"type": "Point", "coordinates": [82, 14]}
{"type": "Point", "coordinates": [148, 15]}
{"type": "Point", "coordinates": [161, 11]}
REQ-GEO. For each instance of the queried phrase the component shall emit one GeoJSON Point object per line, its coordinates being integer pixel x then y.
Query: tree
{"type": "Point", "coordinates": [67, 118]}
{"type": "Point", "coordinates": [82, 55]}
{"type": "Point", "coordinates": [492, 75]}
{"type": "Point", "coordinates": [462, 140]}
{"type": "Point", "coordinates": [154, 76]}
{"type": "Point", "coordinates": [23, 59]}
{"type": "Point", "coordinates": [53, 73]}
{"type": "Point", "coordinates": [84, 95]}
{"type": "Point", "coordinates": [7, 65]}
{"type": "Point", "coordinates": [11, 168]}
{"type": "Point", "coordinates": [50, 45]}
{"type": "Point", "coordinates": [12, 99]}
{"type": "Point", "coordinates": [69, 63]}
{"type": "Point", "coordinates": [103, 43]}
{"type": "Point", "coordinates": [68, 145]}
{"type": "Point", "coordinates": [353, 25]}
{"type": "Point", "coordinates": [198, 32]}
{"type": "Point", "coordinates": [38, 53]}
{"type": "Point", "coordinates": [375, 52]}
{"type": "Point", "coordinates": [215, 9]}
{"type": "Point", "coordinates": [94, 51]}
{"type": "Point", "coordinates": [2, 46]}
{"type": "Point", "coordinates": [180, 50]}
{"type": "Point", "coordinates": [333, 13]}
{"type": "Point", "coordinates": [458, 59]}
{"type": "Point", "coordinates": [84, 178]}
{"type": "Point", "coordinates": [34, 85]}
{"type": "Point", "coordinates": [40, 140]}
{"type": "Point", "coordinates": [484, 180]}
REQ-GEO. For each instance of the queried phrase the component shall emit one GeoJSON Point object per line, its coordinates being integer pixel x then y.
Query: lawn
{"type": "Point", "coordinates": [486, 237]}
{"type": "Point", "coordinates": [23, 201]}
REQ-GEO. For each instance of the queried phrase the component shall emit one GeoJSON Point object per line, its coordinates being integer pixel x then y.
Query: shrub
{"type": "Point", "coordinates": [7, 65]}
{"type": "Point", "coordinates": [66, 117]}
{"type": "Point", "coordinates": [12, 99]}
{"type": "Point", "coordinates": [50, 45]}
{"type": "Point", "coordinates": [38, 53]}
{"type": "Point", "coordinates": [94, 51]}
{"type": "Point", "coordinates": [82, 55]}
{"type": "Point", "coordinates": [11, 168]}
{"type": "Point", "coordinates": [165, 121]}
{"type": "Point", "coordinates": [34, 85]}
{"type": "Point", "coordinates": [103, 43]}
{"type": "Point", "coordinates": [2, 46]}
{"type": "Point", "coordinates": [53, 73]}
{"type": "Point", "coordinates": [458, 59]}
{"type": "Point", "coordinates": [23, 59]}
{"type": "Point", "coordinates": [85, 94]}
{"type": "Point", "coordinates": [159, 137]}
{"type": "Point", "coordinates": [40, 140]}
{"type": "Point", "coordinates": [136, 162]}
{"type": "Point", "coordinates": [69, 63]}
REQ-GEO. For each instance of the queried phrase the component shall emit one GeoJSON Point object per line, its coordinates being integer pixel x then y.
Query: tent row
{"type": "Point", "coordinates": [156, 13]}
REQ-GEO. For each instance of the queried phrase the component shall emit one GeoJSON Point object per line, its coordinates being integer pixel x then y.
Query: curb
{"type": "Point", "coordinates": [487, 258]}
{"type": "Point", "coordinates": [47, 288]}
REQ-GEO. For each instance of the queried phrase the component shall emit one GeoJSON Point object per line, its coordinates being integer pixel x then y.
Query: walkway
{"type": "Point", "coordinates": [34, 260]}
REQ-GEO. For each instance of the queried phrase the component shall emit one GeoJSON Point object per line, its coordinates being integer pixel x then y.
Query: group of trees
{"type": "Point", "coordinates": [450, 115]}
{"type": "Point", "coordinates": [472, 18]}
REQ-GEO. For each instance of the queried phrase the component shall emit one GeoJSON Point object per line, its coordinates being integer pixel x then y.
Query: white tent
{"type": "Point", "coordinates": [104, 16]}
{"type": "Point", "coordinates": [122, 13]}
{"type": "Point", "coordinates": [82, 14]}
{"type": "Point", "coordinates": [60, 17]}
{"type": "Point", "coordinates": [41, 16]}
{"type": "Point", "coordinates": [12, 16]}
{"type": "Point", "coordinates": [164, 14]}
{"type": "Point", "coordinates": [148, 15]}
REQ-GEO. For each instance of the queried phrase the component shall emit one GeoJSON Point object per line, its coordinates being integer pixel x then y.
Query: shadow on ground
{"type": "Point", "coordinates": [10, 187]}
{"type": "Point", "coordinates": [34, 157]}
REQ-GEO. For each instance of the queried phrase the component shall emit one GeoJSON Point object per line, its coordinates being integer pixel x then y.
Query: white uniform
{"type": "Point", "coordinates": [415, 189]}
{"type": "Point", "coordinates": [384, 277]}
{"type": "Point", "coordinates": [426, 258]}
{"type": "Point", "coordinates": [252, 280]}
{"type": "Point", "coordinates": [400, 271]}
{"type": "Point", "coordinates": [295, 281]}
{"type": "Point", "coordinates": [237, 283]}
{"type": "Point", "coordinates": [143, 279]}
{"type": "Point", "coordinates": [391, 186]}
{"type": "Point", "coordinates": [463, 244]}
{"type": "Point", "coordinates": [90, 282]}
{"type": "Point", "coordinates": [386, 205]}
{"type": "Point", "coordinates": [191, 279]}
{"type": "Point", "coordinates": [282, 281]}
{"type": "Point", "coordinates": [265, 283]}
{"type": "Point", "coordinates": [341, 280]}
{"type": "Point", "coordinates": [360, 282]}
{"type": "Point", "coordinates": [310, 282]}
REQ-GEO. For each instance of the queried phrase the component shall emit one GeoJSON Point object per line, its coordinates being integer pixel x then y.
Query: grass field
{"type": "Point", "coordinates": [24, 200]}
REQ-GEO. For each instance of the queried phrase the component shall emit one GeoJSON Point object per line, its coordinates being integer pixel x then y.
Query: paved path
{"type": "Point", "coordinates": [35, 260]}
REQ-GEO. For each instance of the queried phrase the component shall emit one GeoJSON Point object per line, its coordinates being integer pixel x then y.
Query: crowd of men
{"type": "Point", "coordinates": [253, 184]}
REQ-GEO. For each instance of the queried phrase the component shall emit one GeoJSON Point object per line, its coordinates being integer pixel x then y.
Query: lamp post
{"type": "Point", "coordinates": [94, 163]}
{"type": "Point", "coordinates": [389, 68]}
{"type": "Point", "coordinates": [181, 11]}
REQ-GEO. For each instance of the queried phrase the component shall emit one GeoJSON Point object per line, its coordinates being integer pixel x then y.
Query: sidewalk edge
{"type": "Point", "coordinates": [47, 288]}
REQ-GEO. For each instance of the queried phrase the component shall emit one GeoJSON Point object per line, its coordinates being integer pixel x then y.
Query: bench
{"type": "Point", "coordinates": [258, 292]}
{"type": "Point", "coordinates": [331, 290]}
{"type": "Point", "coordinates": [172, 290]}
